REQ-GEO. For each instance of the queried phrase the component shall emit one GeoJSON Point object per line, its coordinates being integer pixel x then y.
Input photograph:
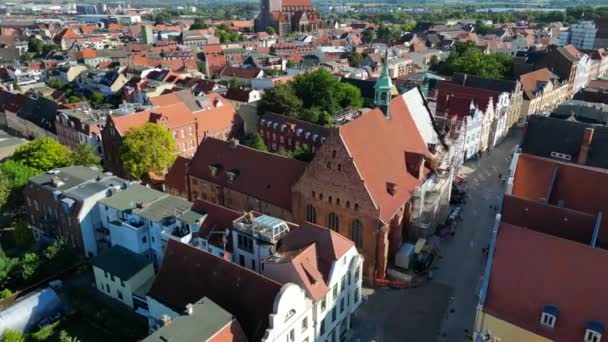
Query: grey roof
{"type": "Point", "coordinates": [191, 217]}
{"type": "Point", "coordinates": [206, 320]}
{"type": "Point", "coordinates": [484, 83]}
{"type": "Point", "coordinates": [40, 111]}
{"type": "Point", "coordinates": [148, 203]}
{"type": "Point", "coordinates": [9, 53]}
{"type": "Point", "coordinates": [70, 176]}
{"type": "Point", "coordinates": [128, 199]}
{"type": "Point", "coordinates": [588, 112]}
{"type": "Point", "coordinates": [545, 135]}
{"type": "Point", "coordinates": [121, 262]}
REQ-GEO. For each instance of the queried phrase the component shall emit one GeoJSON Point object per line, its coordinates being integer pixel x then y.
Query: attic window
{"type": "Point", "coordinates": [232, 174]}
{"type": "Point", "coordinates": [213, 169]}
{"type": "Point", "coordinates": [594, 331]}
{"type": "Point", "coordinates": [549, 316]}
{"type": "Point", "coordinates": [290, 314]}
{"type": "Point", "coordinates": [562, 156]}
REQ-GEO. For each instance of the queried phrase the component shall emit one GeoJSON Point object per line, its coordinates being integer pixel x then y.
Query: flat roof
{"type": "Point", "coordinates": [121, 262]}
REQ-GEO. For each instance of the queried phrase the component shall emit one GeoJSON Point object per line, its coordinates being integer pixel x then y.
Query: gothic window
{"type": "Point", "coordinates": [311, 214]}
{"type": "Point", "coordinates": [356, 234]}
{"type": "Point", "coordinates": [332, 221]}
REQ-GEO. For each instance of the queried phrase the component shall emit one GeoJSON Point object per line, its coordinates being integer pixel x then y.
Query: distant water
{"type": "Point", "coordinates": [509, 9]}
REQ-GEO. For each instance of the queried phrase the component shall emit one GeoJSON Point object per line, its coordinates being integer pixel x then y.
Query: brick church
{"type": "Point", "coordinates": [287, 16]}
{"type": "Point", "coordinates": [361, 183]}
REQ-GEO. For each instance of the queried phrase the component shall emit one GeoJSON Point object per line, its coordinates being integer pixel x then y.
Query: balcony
{"type": "Point", "coordinates": [127, 223]}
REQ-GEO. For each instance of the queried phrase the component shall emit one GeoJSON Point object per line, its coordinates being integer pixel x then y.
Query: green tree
{"type": "Point", "coordinates": [387, 32]}
{"type": "Point", "coordinates": [5, 189]}
{"type": "Point", "coordinates": [17, 175]}
{"type": "Point", "coordinates": [7, 268]}
{"type": "Point", "coordinates": [355, 59]}
{"type": "Point", "coordinates": [147, 149]}
{"type": "Point", "coordinates": [255, 141]}
{"type": "Point", "coordinates": [198, 24]}
{"type": "Point", "coordinates": [5, 293]}
{"type": "Point", "coordinates": [291, 64]}
{"type": "Point", "coordinates": [280, 99]}
{"type": "Point", "coordinates": [35, 46]}
{"type": "Point", "coordinates": [408, 26]}
{"type": "Point", "coordinates": [348, 95]}
{"type": "Point", "coordinates": [368, 35]}
{"type": "Point", "coordinates": [303, 153]}
{"type": "Point", "coordinates": [65, 337]}
{"type": "Point", "coordinates": [200, 65]}
{"type": "Point", "coordinates": [74, 99]}
{"type": "Point", "coordinates": [26, 57]}
{"type": "Point", "coordinates": [85, 156]}
{"type": "Point", "coordinates": [11, 335]}
{"type": "Point", "coordinates": [317, 89]}
{"type": "Point", "coordinates": [42, 334]}
{"type": "Point", "coordinates": [270, 30]}
{"type": "Point", "coordinates": [43, 154]}
{"type": "Point", "coordinates": [23, 236]}
{"type": "Point", "coordinates": [97, 98]}
{"type": "Point", "coordinates": [29, 266]}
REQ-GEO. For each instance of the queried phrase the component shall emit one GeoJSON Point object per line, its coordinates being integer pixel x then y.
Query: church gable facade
{"type": "Point", "coordinates": [287, 16]}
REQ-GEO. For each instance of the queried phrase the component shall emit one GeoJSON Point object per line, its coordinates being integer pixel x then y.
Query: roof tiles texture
{"type": "Point", "coordinates": [394, 137]}
{"type": "Point", "coordinates": [533, 269]}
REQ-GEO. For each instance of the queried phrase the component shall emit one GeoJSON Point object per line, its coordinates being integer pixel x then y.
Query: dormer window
{"type": "Point", "coordinates": [549, 316]}
{"type": "Point", "coordinates": [231, 175]}
{"type": "Point", "coordinates": [594, 331]}
{"type": "Point", "coordinates": [213, 170]}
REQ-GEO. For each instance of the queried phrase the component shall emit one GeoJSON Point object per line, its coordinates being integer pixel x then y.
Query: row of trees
{"type": "Point", "coordinates": [208, 12]}
{"type": "Point", "coordinates": [314, 97]}
{"type": "Point", "coordinates": [44, 334]}
{"type": "Point", "coordinates": [469, 59]}
{"type": "Point", "coordinates": [302, 153]}
{"type": "Point", "coordinates": [95, 98]}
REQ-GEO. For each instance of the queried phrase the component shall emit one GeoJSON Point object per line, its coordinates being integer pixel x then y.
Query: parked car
{"type": "Point", "coordinates": [454, 215]}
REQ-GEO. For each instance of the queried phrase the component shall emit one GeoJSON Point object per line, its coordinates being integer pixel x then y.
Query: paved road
{"type": "Point", "coordinates": [462, 260]}
{"type": "Point", "coordinates": [442, 309]}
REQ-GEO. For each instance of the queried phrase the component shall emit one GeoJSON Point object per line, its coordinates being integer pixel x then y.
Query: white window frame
{"type": "Point", "coordinates": [548, 320]}
{"type": "Point", "coordinates": [592, 336]}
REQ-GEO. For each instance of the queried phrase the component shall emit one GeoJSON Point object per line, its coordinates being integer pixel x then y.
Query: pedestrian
{"type": "Point", "coordinates": [500, 176]}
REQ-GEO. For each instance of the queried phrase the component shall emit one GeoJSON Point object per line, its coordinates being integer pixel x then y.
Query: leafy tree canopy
{"type": "Point", "coordinates": [147, 149]}
{"type": "Point", "coordinates": [255, 141]}
{"type": "Point", "coordinates": [11, 335]}
{"type": "Point", "coordinates": [198, 24]}
{"type": "Point", "coordinates": [42, 155]}
{"type": "Point", "coordinates": [280, 99]}
{"type": "Point", "coordinates": [270, 30]}
{"type": "Point", "coordinates": [85, 156]}
{"type": "Point", "coordinates": [470, 59]}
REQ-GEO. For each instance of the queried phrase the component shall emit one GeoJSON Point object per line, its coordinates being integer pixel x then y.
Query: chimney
{"type": "Point", "coordinates": [165, 320]}
{"type": "Point", "coordinates": [583, 153]}
{"type": "Point", "coordinates": [234, 143]}
{"type": "Point", "coordinates": [189, 309]}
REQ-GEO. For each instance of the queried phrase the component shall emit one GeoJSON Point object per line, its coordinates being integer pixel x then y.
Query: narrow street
{"type": "Point", "coordinates": [462, 259]}
{"type": "Point", "coordinates": [444, 309]}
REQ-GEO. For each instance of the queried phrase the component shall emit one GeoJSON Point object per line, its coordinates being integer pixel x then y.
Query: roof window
{"type": "Point", "coordinates": [549, 316]}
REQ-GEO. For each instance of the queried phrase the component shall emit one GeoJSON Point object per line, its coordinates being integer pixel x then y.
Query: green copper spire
{"type": "Point", "coordinates": [383, 88]}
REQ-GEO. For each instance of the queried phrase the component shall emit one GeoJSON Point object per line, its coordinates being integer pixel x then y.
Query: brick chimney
{"type": "Point", "coordinates": [234, 143]}
{"type": "Point", "coordinates": [583, 153]}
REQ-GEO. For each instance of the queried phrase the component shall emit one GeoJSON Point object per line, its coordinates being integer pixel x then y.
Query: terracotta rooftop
{"type": "Point", "coordinates": [447, 90]}
{"type": "Point", "coordinates": [575, 186]}
{"type": "Point", "coordinates": [395, 137]}
{"type": "Point", "coordinates": [176, 177]}
{"type": "Point", "coordinates": [532, 269]}
{"type": "Point", "coordinates": [188, 274]}
{"type": "Point", "coordinates": [530, 81]}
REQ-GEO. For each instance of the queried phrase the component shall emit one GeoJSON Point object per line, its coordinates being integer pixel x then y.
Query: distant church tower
{"type": "Point", "coordinates": [287, 16]}
{"type": "Point", "coordinates": [383, 89]}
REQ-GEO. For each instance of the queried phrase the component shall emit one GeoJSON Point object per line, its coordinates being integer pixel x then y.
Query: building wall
{"type": "Point", "coordinates": [504, 330]}
{"type": "Point", "coordinates": [291, 307]}
{"type": "Point", "coordinates": [115, 287]}
{"type": "Point", "coordinates": [331, 184]}
{"type": "Point", "coordinates": [202, 189]}
{"type": "Point", "coordinates": [26, 128]}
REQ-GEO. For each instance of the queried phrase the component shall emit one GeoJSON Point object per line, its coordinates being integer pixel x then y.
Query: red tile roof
{"type": "Point", "coordinates": [247, 73]}
{"type": "Point", "coordinates": [88, 53]}
{"type": "Point", "coordinates": [530, 81]}
{"type": "Point", "coordinates": [171, 116]}
{"type": "Point", "coordinates": [532, 269]}
{"type": "Point", "coordinates": [176, 177]}
{"type": "Point", "coordinates": [394, 137]}
{"type": "Point", "coordinates": [448, 93]}
{"type": "Point", "coordinates": [188, 274]}
{"type": "Point", "coordinates": [576, 185]}
{"type": "Point", "coordinates": [266, 176]}
{"type": "Point", "coordinates": [549, 219]}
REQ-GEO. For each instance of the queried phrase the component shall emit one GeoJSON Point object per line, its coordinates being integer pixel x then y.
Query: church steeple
{"type": "Point", "coordinates": [383, 88]}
